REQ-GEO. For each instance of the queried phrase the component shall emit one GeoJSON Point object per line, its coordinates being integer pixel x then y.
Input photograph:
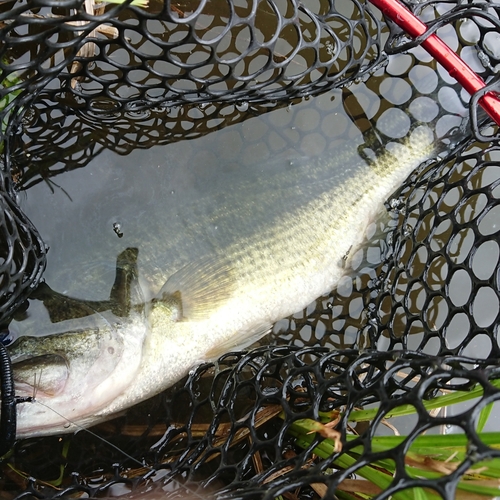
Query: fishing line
{"type": "Point", "coordinates": [124, 453]}
{"type": "Point", "coordinates": [81, 428]}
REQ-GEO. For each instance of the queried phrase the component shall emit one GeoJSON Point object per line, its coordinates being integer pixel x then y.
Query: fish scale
{"type": "Point", "coordinates": [277, 273]}
{"type": "Point", "coordinates": [228, 275]}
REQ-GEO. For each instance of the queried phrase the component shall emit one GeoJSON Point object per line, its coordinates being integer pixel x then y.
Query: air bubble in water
{"type": "Point", "coordinates": [242, 106]}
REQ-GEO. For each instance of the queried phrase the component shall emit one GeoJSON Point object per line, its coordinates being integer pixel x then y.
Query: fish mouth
{"type": "Point", "coordinates": [45, 374]}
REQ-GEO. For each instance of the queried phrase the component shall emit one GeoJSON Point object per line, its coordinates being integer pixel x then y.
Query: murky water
{"type": "Point", "coordinates": [129, 173]}
{"type": "Point", "coordinates": [87, 216]}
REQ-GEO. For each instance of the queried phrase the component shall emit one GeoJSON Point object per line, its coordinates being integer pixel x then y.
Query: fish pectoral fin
{"type": "Point", "coordinates": [238, 342]}
{"type": "Point", "coordinates": [200, 287]}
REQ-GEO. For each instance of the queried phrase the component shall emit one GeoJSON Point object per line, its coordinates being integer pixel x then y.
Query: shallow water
{"type": "Point", "coordinates": [87, 215]}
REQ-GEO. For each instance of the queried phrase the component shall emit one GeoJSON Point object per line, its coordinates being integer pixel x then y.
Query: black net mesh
{"type": "Point", "coordinates": [22, 253]}
{"type": "Point", "coordinates": [350, 397]}
{"type": "Point", "coordinates": [244, 428]}
{"type": "Point", "coordinates": [193, 52]}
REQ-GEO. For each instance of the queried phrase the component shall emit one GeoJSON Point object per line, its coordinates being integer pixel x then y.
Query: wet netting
{"type": "Point", "coordinates": [389, 386]}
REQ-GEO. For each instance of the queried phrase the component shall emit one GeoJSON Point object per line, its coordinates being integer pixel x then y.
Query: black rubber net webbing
{"type": "Point", "coordinates": [238, 434]}
{"type": "Point", "coordinates": [230, 430]}
{"type": "Point", "coordinates": [108, 59]}
{"type": "Point", "coordinates": [201, 51]}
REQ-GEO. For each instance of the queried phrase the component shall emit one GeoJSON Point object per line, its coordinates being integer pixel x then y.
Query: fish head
{"type": "Point", "coordinates": [73, 374]}
{"type": "Point", "coordinates": [74, 361]}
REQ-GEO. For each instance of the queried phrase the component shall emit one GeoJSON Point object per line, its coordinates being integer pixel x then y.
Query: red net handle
{"type": "Point", "coordinates": [455, 66]}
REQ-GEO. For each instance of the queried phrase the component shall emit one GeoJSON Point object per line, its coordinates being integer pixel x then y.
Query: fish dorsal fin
{"type": "Point", "coordinates": [61, 307]}
{"type": "Point", "coordinates": [125, 285]}
{"type": "Point", "coordinates": [125, 292]}
{"type": "Point", "coordinates": [200, 287]}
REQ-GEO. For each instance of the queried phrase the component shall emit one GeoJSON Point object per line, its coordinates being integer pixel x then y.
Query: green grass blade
{"type": "Point", "coordinates": [437, 402]}
{"type": "Point", "coordinates": [483, 417]}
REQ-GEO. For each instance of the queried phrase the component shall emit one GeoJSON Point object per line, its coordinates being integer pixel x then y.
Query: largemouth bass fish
{"type": "Point", "coordinates": [243, 278]}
